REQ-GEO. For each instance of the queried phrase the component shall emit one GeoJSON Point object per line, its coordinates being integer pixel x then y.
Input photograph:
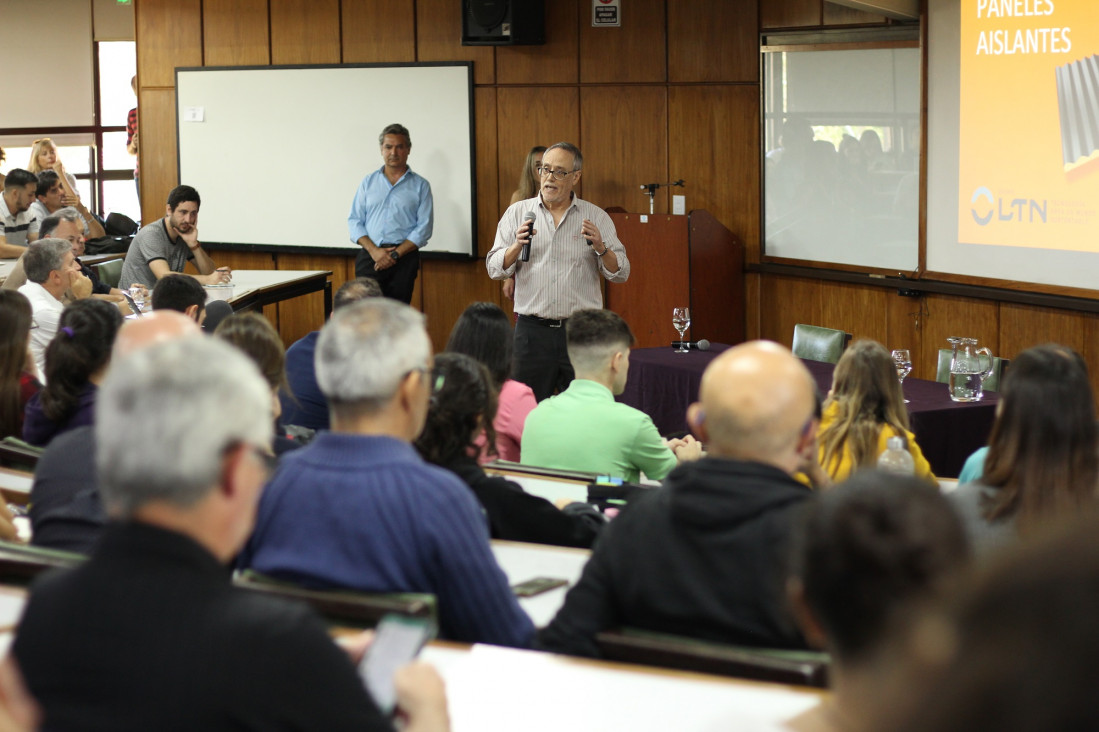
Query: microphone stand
{"type": "Point", "coordinates": [650, 191]}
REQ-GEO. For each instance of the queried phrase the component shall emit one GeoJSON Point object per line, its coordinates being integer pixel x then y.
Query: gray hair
{"type": "Point", "coordinates": [366, 349]}
{"type": "Point", "coordinates": [167, 413]}
{"type": "Point", "coordinates": [577, 158]}
{"type": "Point", "coordinates": [395, 129]}
{"type": "Point", "coordinates": [54, 220]}
{"type": "Point", "coordinates": [43, 257]}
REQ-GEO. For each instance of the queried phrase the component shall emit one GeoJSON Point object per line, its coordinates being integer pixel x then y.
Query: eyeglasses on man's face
{"type": "Point", "coordinates": [557, 174]}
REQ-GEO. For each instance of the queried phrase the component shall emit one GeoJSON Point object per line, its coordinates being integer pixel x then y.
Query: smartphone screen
{"type": "Point", "coordinates": [537, 586]}
{"type": "Point", "coordinates": [398, 639]}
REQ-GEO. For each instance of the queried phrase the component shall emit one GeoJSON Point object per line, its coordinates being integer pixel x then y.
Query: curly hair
{"type": "Point", "coordinates": [463, 403]}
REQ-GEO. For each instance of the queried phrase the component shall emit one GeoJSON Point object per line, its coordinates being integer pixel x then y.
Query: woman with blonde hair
{"type": "Point", "coordinates": [44, 157]}
{"type": "Point", "coordinates": [864, 408]}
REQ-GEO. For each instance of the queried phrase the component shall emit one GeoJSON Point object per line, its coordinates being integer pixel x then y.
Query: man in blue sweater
{"type": "Point", "coordinates": [358, 508]}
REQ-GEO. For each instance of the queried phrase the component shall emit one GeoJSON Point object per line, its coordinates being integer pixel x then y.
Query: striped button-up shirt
{"type": "Point", "coordinates": [562, 275]}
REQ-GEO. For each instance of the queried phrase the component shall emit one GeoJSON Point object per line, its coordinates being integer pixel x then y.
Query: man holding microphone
{"type": "Point", "coordinates": [556, 246]}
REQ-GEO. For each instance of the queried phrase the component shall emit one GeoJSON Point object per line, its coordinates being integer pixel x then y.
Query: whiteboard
{"type": "Point", "coordinates": [280, 150]}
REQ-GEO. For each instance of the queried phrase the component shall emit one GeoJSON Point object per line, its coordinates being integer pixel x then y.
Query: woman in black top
{"type": "Point", "coordinates": [463, 403]}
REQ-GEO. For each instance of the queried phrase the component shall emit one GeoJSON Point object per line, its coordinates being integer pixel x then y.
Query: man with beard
{"type": "Point", "coordinates": [166, 245]}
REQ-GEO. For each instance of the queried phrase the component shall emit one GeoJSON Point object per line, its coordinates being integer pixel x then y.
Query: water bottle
{"type": "Point", "coordinates": [896, 459]}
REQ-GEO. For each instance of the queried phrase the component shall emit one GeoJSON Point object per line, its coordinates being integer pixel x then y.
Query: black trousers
{"type": "Point", "coordinates": [541, 357]}
{"type": "Point", "coordinates": [396, 282]}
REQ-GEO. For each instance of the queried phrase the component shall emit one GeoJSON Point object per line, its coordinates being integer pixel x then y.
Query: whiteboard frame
{"type": "Point", "coordinates": [268, 201]}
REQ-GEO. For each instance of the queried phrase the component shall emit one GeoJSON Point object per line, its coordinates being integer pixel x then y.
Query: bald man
{"type": "Point", "coordinates": [704, 556]}
{"type": "Point", "coordinates": [65, 508]}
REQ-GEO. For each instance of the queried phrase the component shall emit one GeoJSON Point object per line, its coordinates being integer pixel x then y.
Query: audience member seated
{"type": "Point", "coordinates": [254, 335]}
{"type": "Point", "coordinates": [167, 244]}
{"type": "Point", "coordinates": [181, 293]}
{"type": "Point", "coordinates": [484, 332]}
{"type": "Point", "coordinates": [66, 510]}
{"type": "Point", "coordinates": [705, 555]}
{"type": "Point", "coordinates": [51, 198]}
{"type": "Point", "coordinates": [304, 404]}
{"type": "Point", "coordinates": [461, 410]}
{"type": "Point", "coordinates": [583, 428]}
{"type": "Point", "coordinates": [869, 555]}
{"type": "Point", "coordinates": [20, 188]}
{"type": "Point", "coordinates": [76, 363]}
{"type": "Point", "coordinates": [18, 374]}
{"type": "Point", "coordinates": [1042, 459]}
{"type": "Point", "coordinates": [149, 633]}
{"type": "Point", "coordinates": [51, 270]}
{"type": "Point", "coordinates": [864, 408]}
{"type": "Point", "coordinates": [358, 508]}
{"type": "Point", "coordinates": [216, 311]}
{"type": "Point", "coordinates": [1014, 653]}
{"type": "Point", "coordinates": [65, 224]}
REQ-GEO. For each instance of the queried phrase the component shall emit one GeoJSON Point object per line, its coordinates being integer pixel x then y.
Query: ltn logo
{"type": "Point", "coordinates": [1006, 211]}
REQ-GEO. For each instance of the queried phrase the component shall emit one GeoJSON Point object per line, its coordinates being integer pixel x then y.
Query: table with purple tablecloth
{"type": "Point", "coordinates": [663, 383]}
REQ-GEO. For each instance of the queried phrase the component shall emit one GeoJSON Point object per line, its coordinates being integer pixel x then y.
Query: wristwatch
{"type": "Point", "coordinates": [394, 255]}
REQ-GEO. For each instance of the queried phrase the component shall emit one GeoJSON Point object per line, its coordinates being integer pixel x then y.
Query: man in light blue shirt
{"type": "Point", "coordinates": [391, 218]}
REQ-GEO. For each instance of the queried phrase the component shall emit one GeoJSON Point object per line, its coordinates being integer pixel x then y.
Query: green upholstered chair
{"type": "Point", "coordinates": [344, 607]}
{"type": "Point", "coordinates": [815, 343]}
{"type": "Point", "coordinates": [110, 272]}
{"type": "Point", "coordinates": [631, 645]}
{"type": "Point", "coordinates": [992, 383]}
{"type": "Point", "coordinates": [19, 455]}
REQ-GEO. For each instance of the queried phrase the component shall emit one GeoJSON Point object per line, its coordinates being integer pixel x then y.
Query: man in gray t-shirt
{"type": "Point", "coordinates": [166, 245]}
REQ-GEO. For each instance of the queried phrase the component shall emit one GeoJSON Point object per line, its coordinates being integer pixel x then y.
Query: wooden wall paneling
{"type": "Point", "coordinates": [624, 138]}
{"type": "Point", "coordinates": [752, 286]}
{"type": "Point", "coordinates": [169, 34]}
{"type": "Point", "coordinates": [377, 31]}
{"type": "Point", "coordinates": [529, 116]}
{"type": "Point", "coordinates": [843, 15]}
{"type": "Point", "coordinates": [957, 316]}
{"type": "Point", "coordinates": [449, 286]}
{"type": "Point", "coordinates": [241, 260]}
{"type": "Point", "coordinates": [714, 41]}
{"type": "Point", "coordinates": [1090, 351]}
{"type": "Point", "coordinates": [861, 311]}
{"type": "Point", "coordinates": [305, 31]}
{"type": "Point", "coordinates": [1023, 326]}
{"type": "Point", "coordinates": [902, 332]}
{"type": "Point", "coordinates": [785, 302]}
{"type": "Point", "coordinates": [439, 38]}
{"type": "Point", "coordinates": [555, 62]}
{"type": "Point", "coordinates": [304, 314]}
{"type": "Point", "coordinates": [159, 164]}
{"type": "Point", "coordinates": [235, 33]}
{"type": "Point", "coordinates": [486, 169]}
{"type": "Point", "coordinates": [635, 52]}
{"type": "Point", "coordinates": [789, 13]}
{"type": "Point", "coordinates": [713, 134]}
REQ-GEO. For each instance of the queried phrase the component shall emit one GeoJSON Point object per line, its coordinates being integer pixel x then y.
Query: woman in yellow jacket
{"type": "Point", "coordinates": [864, 408]}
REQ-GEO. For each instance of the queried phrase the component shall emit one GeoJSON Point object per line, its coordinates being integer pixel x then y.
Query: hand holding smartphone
{"type": "Point", "coordinates": [398, 639]}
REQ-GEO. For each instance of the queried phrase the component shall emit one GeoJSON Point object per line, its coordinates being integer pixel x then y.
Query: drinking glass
{"type": "Point", "coordinates": [681, 321]}
{"type": "Point", "coordinates": [137, 292]}
{"type": "Point", "coordinates": [903, 362]}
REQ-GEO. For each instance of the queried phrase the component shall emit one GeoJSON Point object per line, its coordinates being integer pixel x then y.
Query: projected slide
{"type": "Point", "coordinates": [1028, 137]}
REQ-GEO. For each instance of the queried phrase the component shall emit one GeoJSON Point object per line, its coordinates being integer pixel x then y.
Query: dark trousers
{"type": "Point", "coordinates": [541, 358]}
{"type": "Point", "coordinates": [397, 281]}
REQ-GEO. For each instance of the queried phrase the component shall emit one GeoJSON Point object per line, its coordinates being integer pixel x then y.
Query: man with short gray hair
{"type": "Point", "coordinates": [182, 434]}
{"type": "Point", "coordinates": [392, 217]}
{"type": "Point", "coordinates": [51, 270]}
{"type": "Point", "coordinates": [570, 247]}
{"type": "Point", "coordinates": [359, 509]}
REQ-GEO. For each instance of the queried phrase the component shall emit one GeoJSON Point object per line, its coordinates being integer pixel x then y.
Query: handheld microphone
{"type": "Point", "coordinates": [700, 345]}
{"type": "Point", "coordinates": [524, 256]}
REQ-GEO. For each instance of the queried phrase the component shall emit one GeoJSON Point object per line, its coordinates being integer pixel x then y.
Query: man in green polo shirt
{"type": "Point", "coordinates": [584, 428]}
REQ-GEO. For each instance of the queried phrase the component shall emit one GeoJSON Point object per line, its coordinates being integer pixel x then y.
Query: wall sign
{"type": "Point", "coordinates": [606, 13]}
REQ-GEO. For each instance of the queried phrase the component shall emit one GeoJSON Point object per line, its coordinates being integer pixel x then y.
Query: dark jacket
{"type": "Point", "coordinates": [704, 556]}
{"type": "Point", "coordinates": [38, 429]}
{"type": "Point", "coordinates": [65, 509]}
{"type": "Point", "coordinates": [516, 515]}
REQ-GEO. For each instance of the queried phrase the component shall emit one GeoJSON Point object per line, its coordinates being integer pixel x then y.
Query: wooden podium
{"type": "Point", "coordinates": [678, 261]}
